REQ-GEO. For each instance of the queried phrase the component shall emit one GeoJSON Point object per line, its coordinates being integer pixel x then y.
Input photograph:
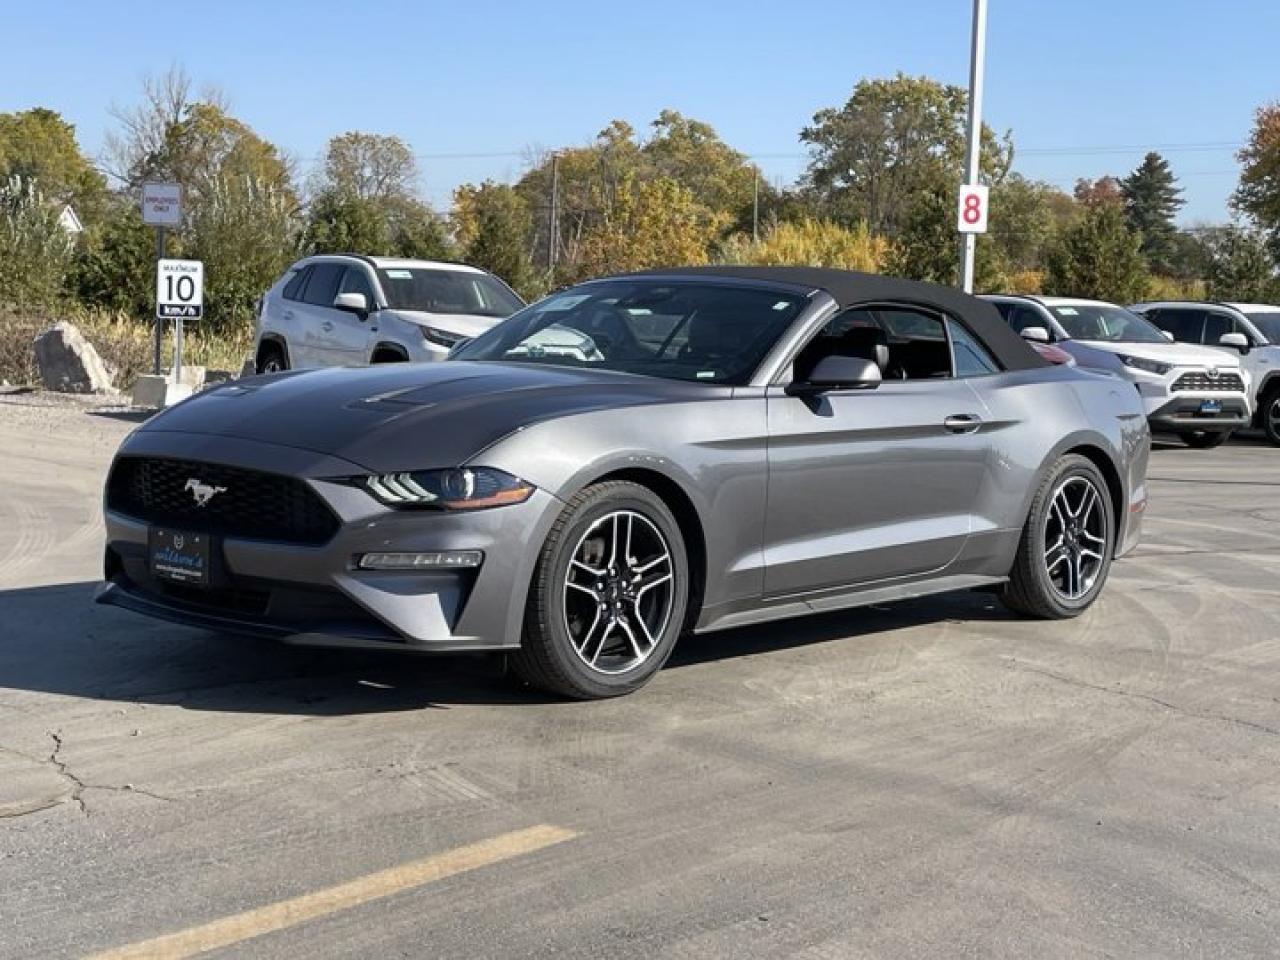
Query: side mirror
{"type": "Point", "coordinates": [356, 303]}
{"type": "Point", "coordinates": [840, 373]}
{"type": "Point", "coordinates": [1168, 335]}
{"type": "Point", "coordinates": [1035, 334]}
{"type": "Point", "coordinates": [1237, 340]}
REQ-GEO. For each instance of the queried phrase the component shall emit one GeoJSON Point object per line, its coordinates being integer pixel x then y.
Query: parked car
{"type": "Point", "coordinates": [1200, 395]}
{"type": "Point", "coordinates": [349, 310]}
{"type": "Point", "coordinates": [1250, 331]}
{"type": "Point", "coordinates": [629, 459]}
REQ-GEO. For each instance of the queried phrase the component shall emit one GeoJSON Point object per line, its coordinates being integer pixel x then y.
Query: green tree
{"type": "Point", "coordinates": [1241, 266]}
{"type": "Point", "coordinates": [891, 142]}
{"type": "Point", "coordinates": [719, 177]}
{"type": "Point", "coordinates": [1152, 198]}
{"type": "Point", "coordinates": [35, 252]}
{"type": "Point", "coordinates": [117, 271]}
{"type": "Point", "coordinates": [342, 224]}
{"type": "Point", "coordinates": [494, 227]}
{"type": "Point", "coordinates": [40, 147]}
{"type": "Point", "coordinates": [369, 166]}
{"type": "Point", "coordinates": [1026, 217]}
{"type": "Point", "coordinates": [654, 223]}
{"type": "Point", "coordinates": [1099, 256]}
{"type": "Point", "coordinates": [1258, 193]}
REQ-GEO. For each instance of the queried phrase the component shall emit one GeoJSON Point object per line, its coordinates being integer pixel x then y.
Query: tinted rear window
{"type": "Point", "coordinates": [293, 289]}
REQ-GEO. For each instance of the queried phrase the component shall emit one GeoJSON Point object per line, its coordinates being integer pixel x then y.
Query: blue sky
{"type": "Point", "coordinates": [1086, 86]}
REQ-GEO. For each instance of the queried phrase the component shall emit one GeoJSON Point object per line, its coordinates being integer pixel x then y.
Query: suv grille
{"type": "Point", "coordinates": [254, 505]}
{"type": "Point", "coordinates": [1224, 382]}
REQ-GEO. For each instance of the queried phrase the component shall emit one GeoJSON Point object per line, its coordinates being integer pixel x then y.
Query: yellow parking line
{"type": "Point", "coordinates": [344, 896]}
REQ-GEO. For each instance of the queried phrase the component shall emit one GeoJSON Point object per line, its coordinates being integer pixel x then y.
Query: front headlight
{"type": "Point", "coordinates": [441, 338]}
{"type": "Point", "coordinates": [464, 488]}
{"type": "Point", "coordinates": [1150, 366]}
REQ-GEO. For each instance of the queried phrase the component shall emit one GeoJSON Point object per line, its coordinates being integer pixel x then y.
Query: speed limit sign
{"type": "Point", "coordinates": [179, 289]}
{"type": "Point", "coordinates": [972, 215]}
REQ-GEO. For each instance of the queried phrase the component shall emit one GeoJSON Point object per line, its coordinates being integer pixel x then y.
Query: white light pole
{"type": "Point", "coordinates": [972, 167]}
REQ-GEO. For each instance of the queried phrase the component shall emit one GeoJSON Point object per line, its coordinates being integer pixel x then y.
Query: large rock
{"type": "Point", "coordinates": [69, 364]}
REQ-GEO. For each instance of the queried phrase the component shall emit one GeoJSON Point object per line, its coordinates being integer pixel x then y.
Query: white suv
{"type": "Point", "coordinates": [1199, 394]}
{"type": "Point", "coordinates": [347, 310]}
{"type": "Point", "coordinates": [1250, 331]}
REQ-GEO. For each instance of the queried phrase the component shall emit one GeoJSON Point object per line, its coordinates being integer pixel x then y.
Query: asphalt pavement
{"type": "Point", "coordinates": [930, 779]}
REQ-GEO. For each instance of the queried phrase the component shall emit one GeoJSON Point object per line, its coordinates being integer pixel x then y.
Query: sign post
{"type": "Point", "coordinates": [972, 167]}
{"type": "Point", "coordinates": [162, 209]}
{"type": "Point", "coordinates": [179, 297]}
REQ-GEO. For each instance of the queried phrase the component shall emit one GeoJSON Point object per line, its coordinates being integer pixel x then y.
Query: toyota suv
{"type": "Point", "coordinates": [1249, 330]}
{"type": "Point", "coordinates": [1201, 395]}
{"type": "Point", "coordinates": [349, 310]}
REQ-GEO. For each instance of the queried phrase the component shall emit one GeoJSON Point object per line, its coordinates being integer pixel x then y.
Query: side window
{"type": "Point", "coordinates": [850, 333]}
{"type": "Point", "coordinates": [323, 285]}
{"type": "Point", "coordinates": [1218, 324]}
{"type": "Point", "coordinates": [1185, 325]}
{"type": "Point", "coordinates": [971, 358]}
{"type": "Point", "coordinates": [1023, 317]}
{"type": "Point", "coordinates": [918, 346]}
{"type": "Point", "coordinates": [293, 289]}
{"type": "Point", "coordinates": [356, 280]}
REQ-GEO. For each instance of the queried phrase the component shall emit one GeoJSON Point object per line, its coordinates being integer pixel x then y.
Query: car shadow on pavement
{"type": "Point", "coordinates": [55, 640]}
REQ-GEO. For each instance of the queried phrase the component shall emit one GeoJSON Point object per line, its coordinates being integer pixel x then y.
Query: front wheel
{"type": "Point", "coordinates": [1270, 416]}
{"type": "Point", "coordinates": [1205, 440]}
{"type": "Point", "coordinates": [1064, 555]}
{"type": "Point", "coordinates": [271, 359]}
{"type": "Point", "coordinates": [609, 595]}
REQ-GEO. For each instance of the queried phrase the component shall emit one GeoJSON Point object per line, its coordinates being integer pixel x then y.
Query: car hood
{"type": "Point", "coordinates": [410, 416]}
{"type": "Point", "coordinates": [464, 324]}
{"type": "Point", "coordinates": [1178, 354]}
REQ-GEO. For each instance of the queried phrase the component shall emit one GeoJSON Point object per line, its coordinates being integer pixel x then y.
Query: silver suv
{"type": "Point", "coordinates": [1199, 394]}
{"type": "Point", "coordinates": [349, 310]}
{"type": "Point", "coordinates": [1250, 331]}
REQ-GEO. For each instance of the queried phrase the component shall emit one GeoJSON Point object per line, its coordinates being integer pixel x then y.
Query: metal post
{"type": "Point", "coordinates": [177, 351]}
{"type": "Point", "coordinates": [972, 167]}
{"type": "Point", "coordinates": [553, 231]}
{"type": "Point", "coordinates": [159, 323]}
{"type": "Point", "coordinates": [755, 208]}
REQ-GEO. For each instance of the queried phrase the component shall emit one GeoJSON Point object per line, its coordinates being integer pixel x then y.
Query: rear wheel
{"type": "Point", "coordinates": [271, 358]}
{"type": "Point", "coordinates": [1205, 440]}
{"type": "Point", "coordinates": [1065, 552]}
{"type": "Point", "coordinates": [608, 597]}
{"type": "Point", "coordinates": [1269, 414]}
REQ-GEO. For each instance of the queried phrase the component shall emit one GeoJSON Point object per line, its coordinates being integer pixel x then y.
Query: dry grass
{"type": "Point", "coordinates": [124, 342]}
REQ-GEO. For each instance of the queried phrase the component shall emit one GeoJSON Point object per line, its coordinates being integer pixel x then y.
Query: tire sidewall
{"type": "Point", "coordinates": [551, 584]}
{"type": "Point", "coordinates": [1272, 430]}
{"type": "Point", "coordinates": [1066, 469]}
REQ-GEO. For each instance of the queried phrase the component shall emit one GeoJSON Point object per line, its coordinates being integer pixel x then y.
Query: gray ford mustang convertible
{"type": "Point", "coordinates": [630, 459]}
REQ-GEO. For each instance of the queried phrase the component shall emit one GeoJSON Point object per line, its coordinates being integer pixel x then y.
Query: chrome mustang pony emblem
{"type": "Point", "coordinates": [202, 492]}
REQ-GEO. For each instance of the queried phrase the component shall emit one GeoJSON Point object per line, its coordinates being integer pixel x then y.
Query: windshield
{"type": "Point", "coordinates": [706, 332]}
{"type": "Point", "coordinates": [1268, 324]}
{"type": "Point", "coordinates": [1113, 324]}
{"type": "Point", "coordinates": [434, 290]}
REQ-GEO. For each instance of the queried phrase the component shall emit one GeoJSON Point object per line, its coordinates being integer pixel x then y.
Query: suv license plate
{"type": "Point", "coordinates": [179, 557]}
{"type": "Point", "coordinates": [1210, 406]}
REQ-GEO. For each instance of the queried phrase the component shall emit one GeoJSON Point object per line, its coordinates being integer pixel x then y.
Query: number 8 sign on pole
{"type": "Point", "coordinates": [972, 217]}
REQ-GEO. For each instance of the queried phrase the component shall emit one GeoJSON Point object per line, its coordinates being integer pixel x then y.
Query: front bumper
{"type": "Point", "coordinates": [1185, 413]}
{"type": "Point", "coordinates": [317, 595]}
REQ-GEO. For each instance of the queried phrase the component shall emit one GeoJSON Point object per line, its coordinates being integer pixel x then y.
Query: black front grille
{"type": "Point", "coordinates": [1223, 382]}
{"type": "Point", "coordinates": [250, 504]}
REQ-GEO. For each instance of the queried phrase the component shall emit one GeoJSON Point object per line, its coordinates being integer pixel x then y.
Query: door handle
{"type": "Point", "coordinates": [288, 314]}
{"type": "Point", "coordinates": [963, 423]}
{"type": "Point", "coordinates": [326, 326]}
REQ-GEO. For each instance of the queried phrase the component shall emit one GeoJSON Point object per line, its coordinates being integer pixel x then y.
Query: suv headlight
{"type": "Point", "coordinates": [441, 338]}
{"type": "Point", "coordinates": [1150, 366]}
{"type": "Point", "coordinates": [464, 488]}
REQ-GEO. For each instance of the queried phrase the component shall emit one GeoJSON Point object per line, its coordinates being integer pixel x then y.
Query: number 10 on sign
{"type": "Point", "coordinates": [180, 289]}
{"type": "Point", "coordinates": [972, 217]}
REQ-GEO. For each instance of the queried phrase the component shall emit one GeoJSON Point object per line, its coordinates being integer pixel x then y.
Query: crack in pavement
{"type": "Point", "coordinates": [1073, 681]}
{"type": "Point", "coordinates": [78, 786]}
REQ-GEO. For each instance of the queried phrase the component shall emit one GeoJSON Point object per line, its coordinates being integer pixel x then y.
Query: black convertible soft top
{"type": "Point", "coordinates": [850, 288]}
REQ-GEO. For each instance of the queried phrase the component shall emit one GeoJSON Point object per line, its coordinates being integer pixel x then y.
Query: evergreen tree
{"type": "Point", "coordinates": [1152, 198]}
{"type": "Point", "coordinates": [1098, 257]}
